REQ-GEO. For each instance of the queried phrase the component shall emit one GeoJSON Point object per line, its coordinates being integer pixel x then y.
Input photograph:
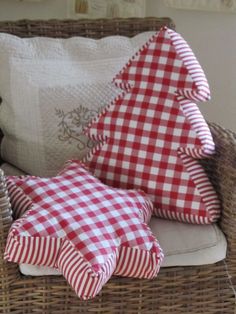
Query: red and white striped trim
{"type": "Point", "coordinates": [22, 249]}
{"type": "Point", "coordinates": [202, 93]}
{"type": "Point", "coordinates": [201, 128]}
{"type": "Point", "coordinates": [138, 263]}
{"type": "Point", "coordinates": [206, 191]}
{"type": "Point", "coordinates": [93, 151]}
{"type": "Point", "coordinates": [86, 282]}
{"type": "Point", "coordinates": [20, 202]}
{"type": "Point", "coordinates": [189, 218]}
{"type": "Point", "coordinates": [204, 186]}
{"type": "Point", "coordinates": [79, 273]}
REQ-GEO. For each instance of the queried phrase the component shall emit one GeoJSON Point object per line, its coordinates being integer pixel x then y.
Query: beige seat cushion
{"type": "Point", "coordinates": [183, 244]}
{"type": "Point", "coordinates": [189, 245]}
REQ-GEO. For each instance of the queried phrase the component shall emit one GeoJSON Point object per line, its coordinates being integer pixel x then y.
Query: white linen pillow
{"type": "Point", "coordinates": [51, 88]}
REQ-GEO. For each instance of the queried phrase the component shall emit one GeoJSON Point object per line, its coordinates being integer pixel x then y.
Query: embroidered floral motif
{"type": "Point", "coordinates": [72, 124]}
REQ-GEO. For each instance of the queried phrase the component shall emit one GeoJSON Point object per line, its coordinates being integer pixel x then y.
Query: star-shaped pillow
{"type": "Point", "coordinates": [152, 135]}
{"type": "Point", "coordinates": [85, 229]}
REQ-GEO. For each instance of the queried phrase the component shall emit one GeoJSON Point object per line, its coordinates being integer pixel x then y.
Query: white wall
{"type": "Point", "coordinates": [212, 36]}
{"type": "Point", "coordinates": [46, 9]}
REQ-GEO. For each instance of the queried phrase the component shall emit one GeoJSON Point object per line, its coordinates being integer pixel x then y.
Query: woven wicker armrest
{"type": "Point", "coordinates": [8, 271]}
{"type": "Point", "coordinates": [222, 171]}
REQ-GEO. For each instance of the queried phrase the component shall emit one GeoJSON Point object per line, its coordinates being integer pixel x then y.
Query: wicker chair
{"type": "Point", "coordinates": [200, 289]}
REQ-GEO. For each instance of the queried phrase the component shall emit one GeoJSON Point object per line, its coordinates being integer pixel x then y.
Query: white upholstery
{"type": "Point", "coordinates": [50, 89]}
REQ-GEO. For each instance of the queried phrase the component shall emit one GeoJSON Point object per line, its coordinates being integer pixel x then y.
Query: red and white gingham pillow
{"type": "Point", "coordinates": [85, 229]}
{"type": "Point", "coordinates": [152, 135]}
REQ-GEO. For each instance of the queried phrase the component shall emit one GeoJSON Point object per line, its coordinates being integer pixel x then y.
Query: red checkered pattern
{"type": "Point", "coordinates": [82, 227]}
{"type": "Point", "coordinates": [151, 135]}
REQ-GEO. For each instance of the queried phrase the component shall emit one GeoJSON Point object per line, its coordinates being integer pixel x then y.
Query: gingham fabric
{"type": "Point", "coordinates": [83, 228]}
{"type": "Point", "coordinates": [152, 135]}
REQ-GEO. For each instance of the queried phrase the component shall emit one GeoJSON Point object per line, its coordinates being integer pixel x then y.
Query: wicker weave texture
{"type": "Point", "coordinates": [85, 27]}
{"type": "Point", "coordinates": [205, 289]}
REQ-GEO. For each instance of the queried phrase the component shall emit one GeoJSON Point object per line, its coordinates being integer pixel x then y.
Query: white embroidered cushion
{"type": "Point", "coordinates": [51, 88]}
